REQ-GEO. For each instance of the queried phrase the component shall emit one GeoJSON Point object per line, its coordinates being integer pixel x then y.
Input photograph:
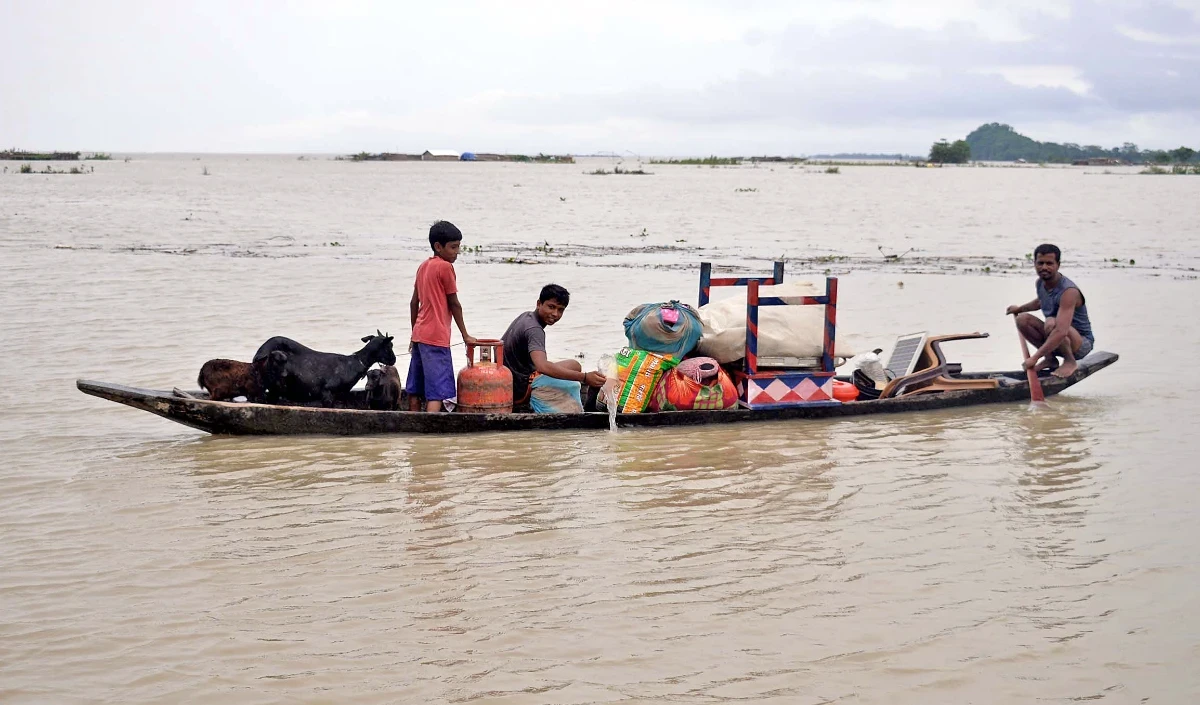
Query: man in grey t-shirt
{"type": "Point", "coordinates": [525, 346]}
{"type": "Point", "coordinates": [1067, 330]}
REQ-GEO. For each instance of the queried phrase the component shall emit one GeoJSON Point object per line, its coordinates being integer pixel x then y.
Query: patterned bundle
{"type": "Point", "coordinates": [697, 383]}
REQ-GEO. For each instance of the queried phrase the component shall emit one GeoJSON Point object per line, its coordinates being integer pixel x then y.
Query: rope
{"type": "Point", "coordinates": [406, 354]}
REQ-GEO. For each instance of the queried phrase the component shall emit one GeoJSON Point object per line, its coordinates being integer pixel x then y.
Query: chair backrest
{"type": "Point", "coordinates": [927, 367]}
{"type": "Point", "coordinates": [754, 301]}
{"type": "Point", "coordinates": [905, 353]}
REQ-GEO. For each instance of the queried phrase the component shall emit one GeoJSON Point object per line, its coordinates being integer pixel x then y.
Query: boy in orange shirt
{"type": "Point", "coordinates": [434, 302]}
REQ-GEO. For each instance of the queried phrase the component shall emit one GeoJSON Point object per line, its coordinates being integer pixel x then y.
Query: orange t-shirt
{"type": "Point", "coordinates": [435, 281]}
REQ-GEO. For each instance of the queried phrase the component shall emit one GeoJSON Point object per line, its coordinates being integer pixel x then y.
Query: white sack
{"type": "Point", "coordinates": [783, 331]}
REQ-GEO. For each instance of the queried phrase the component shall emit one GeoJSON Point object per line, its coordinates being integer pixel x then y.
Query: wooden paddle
{"type": "Point", "coordinates": [1036, 396]}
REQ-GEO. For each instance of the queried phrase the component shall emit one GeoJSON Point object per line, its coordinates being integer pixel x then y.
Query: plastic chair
{"type": "Point", "coordinates": [933, 374]}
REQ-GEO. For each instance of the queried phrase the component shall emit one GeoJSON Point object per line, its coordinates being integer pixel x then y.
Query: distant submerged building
{"type": "Point", "coordinates": [440, 155]}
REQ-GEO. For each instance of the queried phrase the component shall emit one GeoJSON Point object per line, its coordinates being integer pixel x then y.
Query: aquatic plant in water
{"type": "Point", "coordinates": [618, 170]}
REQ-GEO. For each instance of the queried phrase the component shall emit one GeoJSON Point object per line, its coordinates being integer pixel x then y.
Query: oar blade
{"type": "Point", "coordinates": [1036, 395]}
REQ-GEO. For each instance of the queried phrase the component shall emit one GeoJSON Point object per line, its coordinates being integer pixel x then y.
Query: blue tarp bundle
{"type": "Point", "coordinates": [648, 327]}
{"type": "Point", "coordinates": [554, 396]}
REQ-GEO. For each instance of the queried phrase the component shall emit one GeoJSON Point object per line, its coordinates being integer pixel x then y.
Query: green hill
{"type": "Point", "coordinates": [1001, 143]}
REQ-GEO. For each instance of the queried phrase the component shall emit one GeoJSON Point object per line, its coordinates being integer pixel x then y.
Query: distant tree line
{"type": "Point", "coordinates": [1001, 143]}
{"type": "Point", "coordinates": [21, 155]}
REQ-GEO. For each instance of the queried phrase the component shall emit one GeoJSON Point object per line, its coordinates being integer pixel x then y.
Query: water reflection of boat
{"type": "Point", "coordinates": [219, 417]}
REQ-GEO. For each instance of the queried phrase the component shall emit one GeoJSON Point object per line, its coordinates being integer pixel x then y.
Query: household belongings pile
{"type": "Point", "coordinates": [655, 372]}
{"type": "Point", "coordinates": [652, 374]}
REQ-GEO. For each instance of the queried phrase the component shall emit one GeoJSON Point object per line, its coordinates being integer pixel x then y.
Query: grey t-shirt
{"type": "Point", "coordinates": [524, 335]}
{"type": "Point", "coordinates": [1050, 300]}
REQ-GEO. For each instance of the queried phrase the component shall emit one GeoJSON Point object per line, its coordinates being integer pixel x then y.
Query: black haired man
{"type": "Point", "coordinates": [525, 348]}
{"type": "Point", "coordinates": [1067, 330]}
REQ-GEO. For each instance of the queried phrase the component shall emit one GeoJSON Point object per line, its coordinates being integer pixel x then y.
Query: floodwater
{"type": "Point", "coordinates": [995, 554]}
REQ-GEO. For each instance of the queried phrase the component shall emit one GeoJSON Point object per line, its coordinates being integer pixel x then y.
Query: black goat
{"type": "Point", "coordinates": [310, 375]}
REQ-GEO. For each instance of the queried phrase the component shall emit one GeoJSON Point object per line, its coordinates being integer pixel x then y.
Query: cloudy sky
{"type": "Point", "coordinates": [645, 76]}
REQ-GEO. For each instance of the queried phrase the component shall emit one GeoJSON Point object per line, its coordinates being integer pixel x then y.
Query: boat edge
{"type": "Point", "coordinates": [230, 418]}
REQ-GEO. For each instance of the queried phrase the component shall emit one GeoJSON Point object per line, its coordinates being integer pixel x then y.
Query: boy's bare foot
{"type": "Point", "coordinates": [1066, 369]}
{"type": "Point", "coordinates": [1047, 363]}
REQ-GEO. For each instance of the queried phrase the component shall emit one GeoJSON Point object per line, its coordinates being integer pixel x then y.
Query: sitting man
{"type": "Point", "coordinates": [538, 383]}
{"type": "Point", "coordinates": [1067, 331]}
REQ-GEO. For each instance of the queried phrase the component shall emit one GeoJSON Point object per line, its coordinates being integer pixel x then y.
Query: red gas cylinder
{"type": "Point", "coordinates": [485, 387]}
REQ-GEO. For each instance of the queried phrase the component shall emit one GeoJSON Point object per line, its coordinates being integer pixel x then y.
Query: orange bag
{"type": "Point", "coordinates": [698, 383]}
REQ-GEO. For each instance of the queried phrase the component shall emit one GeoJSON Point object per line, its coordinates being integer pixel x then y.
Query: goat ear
{"type": "Point", "coordinates": [367, 339]}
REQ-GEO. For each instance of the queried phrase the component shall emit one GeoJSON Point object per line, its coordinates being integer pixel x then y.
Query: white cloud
{"type": "Point", "coordinates": [1068, 77]}
{"type": "Point", "coordinates": [705, 75]}
{"type": "Point", "coordinates": [1141, 35]}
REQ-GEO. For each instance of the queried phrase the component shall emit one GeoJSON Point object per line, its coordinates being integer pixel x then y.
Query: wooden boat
{"type": "Point", "coordinates": [218, 417]}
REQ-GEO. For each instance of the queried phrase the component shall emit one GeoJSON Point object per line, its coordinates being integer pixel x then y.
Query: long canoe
{"type": "Point", "coordinates": [232, 418]}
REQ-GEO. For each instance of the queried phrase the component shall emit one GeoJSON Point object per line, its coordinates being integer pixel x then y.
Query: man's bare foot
{"type": "Point", "coordinates": [1066, 369]}
{"type": "Point", "coordinates": [1047, 363]}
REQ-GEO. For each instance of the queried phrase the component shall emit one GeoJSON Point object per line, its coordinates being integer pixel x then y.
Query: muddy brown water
{"type": "Point", "coordinates": [994, 554]}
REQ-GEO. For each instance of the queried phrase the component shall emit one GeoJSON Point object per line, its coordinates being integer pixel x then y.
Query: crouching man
{"type": "Point", "coordinates": [539, 384]}
{"type": "Point", "coordinates": [1067, 330]}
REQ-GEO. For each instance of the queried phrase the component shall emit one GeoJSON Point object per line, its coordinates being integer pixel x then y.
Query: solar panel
{"type": "Point", "coordinates": [905, 353]}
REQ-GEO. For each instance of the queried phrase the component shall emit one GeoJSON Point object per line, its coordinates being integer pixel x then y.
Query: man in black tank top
{"type": "Point", "coordinates": [1067, 330]}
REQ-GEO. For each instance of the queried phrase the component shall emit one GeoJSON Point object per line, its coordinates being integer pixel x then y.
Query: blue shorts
{"type": "Point", "coordinates": [1085, 347]}
{"type": "Point", "coordinates": [430, 373]}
